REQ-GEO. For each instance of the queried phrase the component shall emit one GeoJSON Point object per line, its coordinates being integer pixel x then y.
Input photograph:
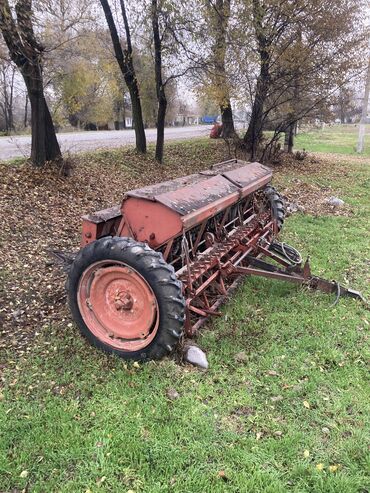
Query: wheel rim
{"type": "Point", "coordinates": [118, 305]}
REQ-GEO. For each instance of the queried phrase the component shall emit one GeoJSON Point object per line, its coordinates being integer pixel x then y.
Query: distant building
{"type": "Point", "coordinates": [182, 119]}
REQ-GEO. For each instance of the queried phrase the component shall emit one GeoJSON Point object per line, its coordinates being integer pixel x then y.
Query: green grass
{"type": "Point", "coordinates": [341, 139]}
{"type": "Point", "coordinates": [77, 420]}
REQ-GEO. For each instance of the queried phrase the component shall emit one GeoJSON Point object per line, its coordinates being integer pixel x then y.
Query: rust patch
{"type": "Point", "coordinates": [190, 193]}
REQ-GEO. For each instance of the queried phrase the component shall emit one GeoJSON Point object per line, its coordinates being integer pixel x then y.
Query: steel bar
{"type": "Point", "coordinates": [250, 271]}
{"type": "Point", "coordinates": [220, 301]}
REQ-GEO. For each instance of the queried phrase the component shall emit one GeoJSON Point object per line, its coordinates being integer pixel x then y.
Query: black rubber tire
{"type": "Point", "coordinates": [277, 205]}
{"type": "Point", "coordinates": [159, 275]}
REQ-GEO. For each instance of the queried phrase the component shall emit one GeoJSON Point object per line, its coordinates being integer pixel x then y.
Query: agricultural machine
{"type": "Point", "coordinates": [161, 264]}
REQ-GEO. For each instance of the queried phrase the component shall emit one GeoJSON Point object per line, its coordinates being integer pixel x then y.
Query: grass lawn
{"type": "Point", "coordinates": [337, 138]}
{"type": "Point", "coordinates": [283, 407]}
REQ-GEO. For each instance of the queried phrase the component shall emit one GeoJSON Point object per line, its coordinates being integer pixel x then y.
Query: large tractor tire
{"type": "Point", "coordinates": [276, 204]}
{"type": "Point", "coordinates": [126, 299]}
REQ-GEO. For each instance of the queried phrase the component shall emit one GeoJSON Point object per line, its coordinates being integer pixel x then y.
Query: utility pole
{"type": "Point", "coordinates": [362, 127]}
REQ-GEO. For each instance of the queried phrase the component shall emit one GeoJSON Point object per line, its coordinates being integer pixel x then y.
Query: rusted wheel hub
{"type": "Point", "coordinates": [118, 305]}
{"type": "Point", "coordinates": [124, 301]}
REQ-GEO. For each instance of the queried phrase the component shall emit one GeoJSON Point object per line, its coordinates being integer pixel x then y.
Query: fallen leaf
{"type": "Point", "coordinates": [241, 357]}
{"type": "Point", "coordinates": [172, 394]}
{"type": "Point", "coordinates": [222, 475]}
{"type": "Point", "coordinates": [276, 398]}
{"type": "Point", "coordinates": [306, 404]}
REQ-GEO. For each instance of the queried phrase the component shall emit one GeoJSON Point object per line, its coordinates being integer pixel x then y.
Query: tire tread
{"type": "Point", "coordinates": [162, 279]}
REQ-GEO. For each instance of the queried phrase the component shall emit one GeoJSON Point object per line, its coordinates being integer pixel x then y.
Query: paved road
{"type": "Point", "coordinates": [20, 146]}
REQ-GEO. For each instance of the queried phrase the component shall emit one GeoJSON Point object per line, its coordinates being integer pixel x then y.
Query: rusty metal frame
{"type": "Point", "coordinates": [214, 228]}
{"type": "Point", "coordinates": [210, 277]}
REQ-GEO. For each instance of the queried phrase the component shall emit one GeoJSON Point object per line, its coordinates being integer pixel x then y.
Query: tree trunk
{"type": "Point", "coordinates": [45, 146]}
{"type": "Point", "coordinates": [25, 122]}
{"type": "Point", "coordinates": [51, 141]}
{"type": "Point", "coordinates": [342, 112]}
{"type": "Point", "coordinates": [161, 95]}
{"type": "Point", "coordinates": [228, 129]}
{"type": "Point", "coordinates": [137, 116]}
{"type": "Point", "coordinates": [220, 14]}
{"type": "Point", "coordinates": [125, 62]}
{"type": "Point", "coordinates": [27, 54]}
{"type": "Point", "coordinates": [161, 118]}
{"type": "Point", "coordinates": [253, 135]}
{"type": "Point", "coordinates": [365, 103]}
{"type": "Point", "coordinates": [5, 105]}
{"type": "Point", "coordinates": [124, 115]}
{"type": "Point", "coordinates": [289, 138]}
{"type": "Point", "coordinates": [11, 97]}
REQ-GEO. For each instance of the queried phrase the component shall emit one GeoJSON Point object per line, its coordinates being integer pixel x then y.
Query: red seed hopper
{"type": "Point", "coordinates": [162, 262]}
